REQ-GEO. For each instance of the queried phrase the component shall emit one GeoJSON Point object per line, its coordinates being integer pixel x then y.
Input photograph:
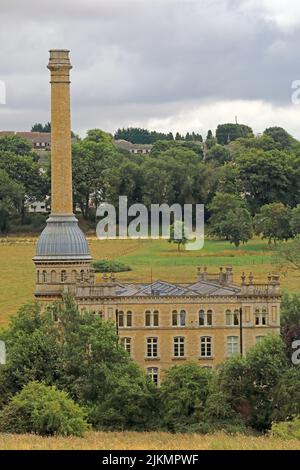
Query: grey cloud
{"type": "Point", "coordinates": [140, 58]}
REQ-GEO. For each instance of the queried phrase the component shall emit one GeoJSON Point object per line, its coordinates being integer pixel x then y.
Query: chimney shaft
{"type": "Point", "coordinates": [61, 159]}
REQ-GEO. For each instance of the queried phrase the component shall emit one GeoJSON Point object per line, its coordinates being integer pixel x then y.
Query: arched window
{"type": "Point", "coordinates": [151, 318]}
{"type": "Point", "coordinates": [53, 276]}
{"type": "Point", "coordinates": [124, 319]}
{"type": "Point", "coordinates": [74, 275]}
{"type": "Point", "coordinates": [82, 275]}
{"type": "Point", "coordinates": [261, 317]}
{"type": "Point", "coordinates": [178, 318]}
{"type": "Point", "coordinates": [45, 276]}
{"type": "Point", "coordinates": [63, 276]}
{"type": "Point", "coordinates": [205, 318]}
{"type": "Point", "coordinates": [232, 318]}
{"type": "Point", "coordinates": [38, 276]}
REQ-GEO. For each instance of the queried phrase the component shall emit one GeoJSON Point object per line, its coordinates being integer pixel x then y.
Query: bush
{"type": "Point", "coordinates": [43, 410]}
{"type": "Point", "coordinates": [108, 266]}
{"type": "Point", "coordinates": [183, 396]}
{"type": "Point", "coordinates": [286, 399]}
{"type": "Point", "coordinates": [286, 429]}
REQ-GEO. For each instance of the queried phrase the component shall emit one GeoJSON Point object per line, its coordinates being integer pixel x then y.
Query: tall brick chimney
{"type": "Point", "coordinates": [61, 159]}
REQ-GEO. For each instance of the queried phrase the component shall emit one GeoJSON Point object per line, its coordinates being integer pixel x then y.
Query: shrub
{"type": "Point", "coordinates": [43, 410]}
{"type": "Point", "coordinates": [249, 382]}
{"type": "Point", "coordinates": [286, 429]}
{"type": "Point", "coordinates": [286, 399]}
{"type": "Point", "coordinates": [183, 395]}
{"type": "Point", "coordinates": [108, 266]}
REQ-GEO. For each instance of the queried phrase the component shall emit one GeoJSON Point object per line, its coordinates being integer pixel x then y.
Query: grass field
{"type": "Point", "coordinates": [17, 280]}
{"type": "Point", "coordinates": [145, 441]}
{"type": "Point", "coordinates": [17, 276]}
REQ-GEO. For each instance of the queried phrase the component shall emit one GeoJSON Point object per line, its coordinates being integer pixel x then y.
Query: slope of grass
{"type": "Point", "coordinates": [145, 441]}
{"type": "Point", "coordinates": [148, 259]}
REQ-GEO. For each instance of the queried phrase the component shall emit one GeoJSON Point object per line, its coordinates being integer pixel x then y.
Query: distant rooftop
{"type": "Point", "coordinates": [133, 148]}
{"type": "Point", "coordinates": [38, 140]}
{"type": "Point", "coordinates": [163, 288]}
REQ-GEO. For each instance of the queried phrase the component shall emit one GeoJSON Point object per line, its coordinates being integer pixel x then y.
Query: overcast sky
{"type": "Point", "coordinates": [182, 65]}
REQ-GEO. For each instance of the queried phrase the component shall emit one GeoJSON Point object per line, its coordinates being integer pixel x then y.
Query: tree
{"type": "Point", "coordinates": [183, 395]}
{"type": "Point", "coordinates": [273, 222]}
{"type": "Point", "coordinates": [286, 400]}
{"type": "Point", "coordinates": [295, 220]}
{"type": "Point", "coordinates": [289, 253]}
{"type": "Point", "coordinates": [80, 355]}
{"type": "Point", "coordinates": [228, 180]}
{"type": "Point", "coordinates": [178, 234]}
{"type": "Point", "coordinates": [280, 136]}
{"type": "Point", "coordinates": [227, 133]}
{"type": "Point", "coordinates": [138, 135]}
{"type": "Point", "coordinates": [15, 145]}
{"type": "Point", "coordinates": [238, 226]}
{"type": "Point", "coordinates": [26, 172]}
{"type": "Point", "coordinates": [249, 382]}
{"type": "Point", "coordinates": [93, 159]}
{"type": "Point", "coordinates": [178, 136]}
{"type": "Point", "coordinates": [11, 196]}
{"type": "Point", "coordinates": [38, 127]}
{"type": "Point", "coordinates": [266, 177]}
{"type": "Point", "coordinates": [209, 135]}
{"type": "Point", "coordinates": [223, 208]}
{"type": "Point", "coordinates": [43, 410]}
{"type": "Point", "coordinates": [290, 321]}
{"type": "Point", "coordinates": [218, 154]}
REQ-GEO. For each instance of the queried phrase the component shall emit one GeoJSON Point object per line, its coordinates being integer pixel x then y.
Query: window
{"type": "Point", "coordinates": [82, 275]}
{"type": "Point", "coordinates": [259, 338]}
{"type": "Point", "coordinates": [179, 347]}
{"type": "Point", "coordinates": [44, 276]}
{"type": "Point", "coordinates": [232, 318]}
{"type": "Point", "coordinates": [261, 317]}
{"type": "Point", "coordinates": [152, 347]}
{"type": "Point", "coordinates": [38, 276]}
{"type": "Point", "coordinates": [63, 276]}
{"type": "Point", "coordinates": [151, 318]}
{"type": "Point", "coordinates": [205, 346]}
{"type": "Point", "coordinates": [205, 318]}
{"type": "Point", "coordinates": [53, 276]}
{"type": "Point", "coordinates": [126, 343]}
{"type": "Point", "coordinates": [232, 345]}
{"type": "Point", "coordinates": [178, 318]}
{"type": "Point", "coordinates": [124, 319]}
{"type": "Point", "coordinates": [74, 275]}
{"type": "Point", "coordinates": [153, 373]}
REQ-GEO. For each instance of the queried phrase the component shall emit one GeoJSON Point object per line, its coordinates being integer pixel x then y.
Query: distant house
{"type": "Point", "coordinates": [133, 148]}
{"type": "Point", "coordinates": [38, 140]}
{"type": "Point", "coordinates": [38, 207]}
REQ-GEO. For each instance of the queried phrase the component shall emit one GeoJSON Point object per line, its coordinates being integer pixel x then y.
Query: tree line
{"type": "Point", "coordinates": [249, 184]}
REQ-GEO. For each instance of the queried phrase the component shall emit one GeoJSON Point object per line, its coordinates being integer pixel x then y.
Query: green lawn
{"type": "Point", "coordinates": [158, 259]}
